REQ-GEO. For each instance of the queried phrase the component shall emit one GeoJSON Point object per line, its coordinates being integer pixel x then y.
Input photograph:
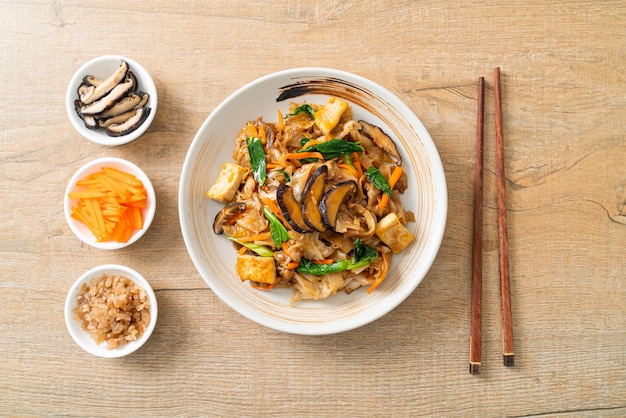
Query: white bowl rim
{"type": "Point", "coordinates": [439, 222]}
{"type": "Point", "coordinates": [99, 136]}
{"type": "Point", "coordinates": [82, 232]}
{"type": "Point", "coordinates": [82, 338]}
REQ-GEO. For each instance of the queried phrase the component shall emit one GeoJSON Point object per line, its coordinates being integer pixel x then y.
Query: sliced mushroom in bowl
{"type": "Point", "coordinates": [111, 100]}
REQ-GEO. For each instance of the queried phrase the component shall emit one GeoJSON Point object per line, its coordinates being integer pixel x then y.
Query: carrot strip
{"type": "Point", "coordinates": [91, 183]}
{"type": "Point", "coordinates": [311, 143]}
{"type": "Point", "coordinates": [268, 287]}
{"type": "Point", "coordinates": [273, 206]}
{"type": "Point", "coordinates": [349, 168]}
{"type": "Point", "coordinates": [357, 164]}
{"type": "Point", "coordinates": [325, 261]}
{"type": "Point", "coordinates": [263, 135]}
{"type": "Point", "coordinates": [259, 237]}
{"type": "Point", "coordinates": [113, 185]}
{"type": "Point", "coordinates": [269, 166]}
{"type": "Point", "coordinates": [251, 131]}
{"type": "Point", "coordinates": [234, 218]}
{"type": "Point", "coordinates": [123, 177]}
{"type": "Point", "coordinates": [281, 121]}
{"type": "Point", "coordinates": [137, 218]}
{"type": "Point", "coordinates": [393, 179]}
{"type": "Point", "coordinates": [383, 274]}
{"type": "Point", "coordinates": [303, 155]}
{"type": "Point", "coordinates": [292, 265]}
{"type": "Point", "coordinates": [87, 194]}
{"type": "Point", "coordinates": [395, 175]}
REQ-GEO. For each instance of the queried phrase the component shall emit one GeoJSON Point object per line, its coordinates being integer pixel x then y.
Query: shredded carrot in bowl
{"type": "Point", "coordinates": [110, 204]}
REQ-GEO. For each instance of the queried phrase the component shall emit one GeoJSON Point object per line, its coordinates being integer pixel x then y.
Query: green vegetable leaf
{"type": "Point", "coordinates": [261, 250]}
{"type": "Point", "coordinates": [363, 255]}
{"type": "Point", "coordinates": [308, 267]}
{"type": "Point", "coordinates": [378, 180]}
{"type": "Point", "coordinates": [305, 108]}
{"type": "Point", "coordinates": [257, 159]}
{"type": "Point", "coordinates": [334, 148]}
{"type": "Point", "coordinates": [277, 230]}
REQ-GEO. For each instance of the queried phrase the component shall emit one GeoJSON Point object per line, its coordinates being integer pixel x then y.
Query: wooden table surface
{"type": "Point", "coordinates": [564, 104]}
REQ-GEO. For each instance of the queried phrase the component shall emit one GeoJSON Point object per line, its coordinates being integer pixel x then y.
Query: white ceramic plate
{"type": "Point", "coordinates": [214, 256]}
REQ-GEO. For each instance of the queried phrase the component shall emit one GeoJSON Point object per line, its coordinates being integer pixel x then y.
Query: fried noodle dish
{"type": "Point", "coordinates": [312, 202]}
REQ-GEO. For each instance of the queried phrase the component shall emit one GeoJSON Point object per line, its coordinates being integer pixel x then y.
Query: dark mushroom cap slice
{"type": "Point", "coordinates": [313, 192]}
{"type": "Point", "coordinates": [332, 200]}
{"type": "Point", "coordinates": [226, 214]}
{"type": "Point", "coordinates": [381, 139]}
{"type": "Point", "coordinates": [291, 208]}
{"type": "Point", "coordinates": [89, 121]}
{"type": "Point", "coordinates": [97, 92]}
{"type": "Point", "coordinates": [91, 81]}
{"type": "Point", "coordinates": [134, 122]}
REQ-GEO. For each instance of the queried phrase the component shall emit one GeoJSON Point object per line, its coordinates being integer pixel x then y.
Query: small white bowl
{"type": "Point", "coordinates": [82, 337]}
{"type": "Point", "coordinates": [102, 67]}
{"type": "Point", "coordinates": [80, 230]}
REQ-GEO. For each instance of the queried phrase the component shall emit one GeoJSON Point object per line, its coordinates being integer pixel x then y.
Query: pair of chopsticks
{"type": "Point", "coordinates": [505, 291]}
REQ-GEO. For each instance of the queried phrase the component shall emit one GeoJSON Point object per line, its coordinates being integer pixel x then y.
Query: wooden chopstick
{"type": "Point", "coordinates": [505, 290]}
{"type": "Point", "coordinates": [477, 260]}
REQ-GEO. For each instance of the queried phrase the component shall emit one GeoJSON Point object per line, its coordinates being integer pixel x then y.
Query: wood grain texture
{"type": "Point", "coordinates": [563, 78]}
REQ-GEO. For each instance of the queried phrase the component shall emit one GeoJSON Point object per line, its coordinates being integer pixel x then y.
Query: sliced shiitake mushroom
{"type": "Point", "coordinates": [105, 123]}
{"type": "Point", "coordinates": [313, 192]}
{"type": "Point", "coordinates": [109, 100]}
{"type": "Point", "coordinates": [132, 123]}
{"type": "Point", "coordinates": [130, 102]}
{"type": "Point", "coordinates": [94, 93]}
{"type": "Point", "coordinates": [381, 139]}
{"type": "Point", "coordinates": [226, 214]}
{"type": "Point", "coordinates": [291, 208]}
{"type": "Point", "coordinates": [332, 200]}
{"type": "Point", "coordinates": [89, 121]}
{"type": "Point", "coordinates": [119, 109]}
{"type": "Point", "coordinates": [91, 81]}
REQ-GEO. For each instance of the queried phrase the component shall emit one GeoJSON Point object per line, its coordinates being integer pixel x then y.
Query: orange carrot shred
{"type": "Point", "coordinates": [273, 206]}
{"type": "Point", "coordinates": [325, 261]}
{"type": "Point", "coordinates": [292, 265]}
{"type": "Point", "coordinates": [234, 218]}
{"type": "Point", "coordinates": [110, 204]}
{"type": "Point", "coordinates": [281, 121]}
{"type": "Point", "coordinates": [349, 168]}
{"type": "Point", "coordinates": [383, 274]}
{"type": "Point", "coordinates": [303, 155]}
{"type": "Point", "coordinates": [357, 164]}
{"type": "Point", "coordinates": [393, 179]}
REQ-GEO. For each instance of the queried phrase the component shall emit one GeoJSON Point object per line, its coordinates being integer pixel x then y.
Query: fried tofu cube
{"type": "Point", "coordinates": [257, 269]}
{"type": "Point", "coordinates": [329, 115]}
{"type": "Point", "coordinates": [395, 235]}
{"type": "Point", "coordinates": [228, 181]}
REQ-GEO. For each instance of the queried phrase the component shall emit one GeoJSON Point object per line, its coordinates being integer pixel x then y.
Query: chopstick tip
{"type": "Point", "coordinates": [509, 360]}
{"type": "Point", "coordinates": [474, 368]}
